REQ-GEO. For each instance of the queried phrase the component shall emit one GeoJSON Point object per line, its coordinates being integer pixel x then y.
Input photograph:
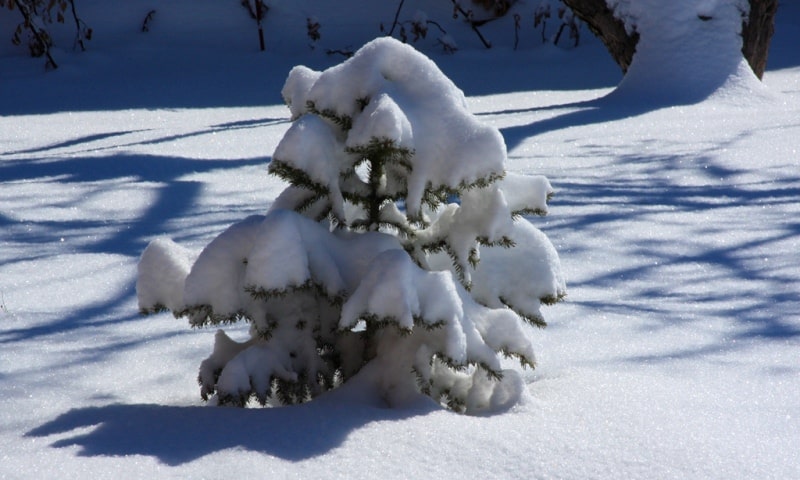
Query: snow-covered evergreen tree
{"type": "Point", "coordinates": [398, 254]}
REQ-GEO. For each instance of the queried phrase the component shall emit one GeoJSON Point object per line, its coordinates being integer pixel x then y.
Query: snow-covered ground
{"type": "Point", "coordinates": [675, 354]}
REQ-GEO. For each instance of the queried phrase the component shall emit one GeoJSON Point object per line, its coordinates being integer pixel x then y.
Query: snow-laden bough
{"type": "Point", "coordinates": [400, 253]}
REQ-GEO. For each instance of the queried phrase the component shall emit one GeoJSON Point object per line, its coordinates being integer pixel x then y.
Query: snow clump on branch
{"type": "Point", "coordinates": [398, 255]}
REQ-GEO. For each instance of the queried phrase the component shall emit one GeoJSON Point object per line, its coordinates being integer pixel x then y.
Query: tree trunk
{"type": "Point", "coordinates": [757, 33]}
{"type": "Point", "coordinates": [608, 28]}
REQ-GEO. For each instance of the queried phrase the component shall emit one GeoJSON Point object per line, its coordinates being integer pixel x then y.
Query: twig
{"type": "Point", "coordinates": [147, 19]}
{"type": "Point", "coordinates": [472, 23]}
{"type": "Point", "coordinates": [436, 24]}
{"type": "Point", "coordinates": [259, 17]}
{"type": "Point", "coordinates": [26, 14]}
{"type": "Point", "coordinates": [396, 16]}
{"type": "Point", "coordinates": [345, 53]}
{"type": "Point", "coordinates": [78, 29]}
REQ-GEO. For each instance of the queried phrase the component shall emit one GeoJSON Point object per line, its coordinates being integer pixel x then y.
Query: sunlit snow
{"type": "Point", "coordinates": [675, 218]}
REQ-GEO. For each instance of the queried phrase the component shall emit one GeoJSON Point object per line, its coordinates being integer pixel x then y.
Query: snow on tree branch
{"type": "Point", "coordinates": [397, 255]}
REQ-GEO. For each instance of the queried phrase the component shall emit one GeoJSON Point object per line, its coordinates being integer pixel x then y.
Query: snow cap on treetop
{"type": "Point", "coordinates": [404, 97]}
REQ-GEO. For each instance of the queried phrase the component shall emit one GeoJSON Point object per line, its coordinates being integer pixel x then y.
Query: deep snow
{"type": "Point", "coordinates": [674, 355]}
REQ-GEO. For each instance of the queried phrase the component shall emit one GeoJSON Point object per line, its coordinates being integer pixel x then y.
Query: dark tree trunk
{"type": "Point", "coordinates": [608, 28]}
{"type": "Point", "coordinates": [756, 31]}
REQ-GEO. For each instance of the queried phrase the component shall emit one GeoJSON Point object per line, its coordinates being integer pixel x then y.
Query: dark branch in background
{"type": "Point", "coordinates": [147, 19]}
{"type": "Point", "coordinates": [42, 42]}
{"type": "Point", "coordinates": [474, 24]}
{"type": "Point", "coordinates": [345, 53]}
{"type": "Point", "coordinates": [419, 29]}
{"type": "Point", "coordinates": [258, 15]}
{"type": "Point", "coordinates": [540, 17]}
{"type": "Point", "coordinates": [81, 29]}
{"type": "Point", "coordinates": [567, 21]}
{"type": "Point", "coordinates": [38, 39]}
{"type": "Point", "coordinates": [396, 16]}
{"type": "Point", "coordinates": [312, 30]}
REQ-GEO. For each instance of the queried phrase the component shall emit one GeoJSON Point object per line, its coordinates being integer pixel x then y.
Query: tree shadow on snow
{"type": "Point", "coordinates": [609, 108]}
{"type": "Point", "coordinates": [174, 198]}
{"type": "Point", "coordinates": [735, 266]}
{"type": "Point", "coordinates": [177, 435]}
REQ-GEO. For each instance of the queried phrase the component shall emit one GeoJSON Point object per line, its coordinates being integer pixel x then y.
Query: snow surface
{"type": "Point", "coordinates": [674, 356]}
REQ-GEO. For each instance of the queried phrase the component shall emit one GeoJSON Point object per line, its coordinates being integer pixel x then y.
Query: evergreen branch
{"type": "Point", "coordinates": [473, 257]}
{"type": "Point", "coordinates": [462, 366]}
{"type": "Point", "coordinates": [364, 200]}
{"type": "Point", "coordinates": [203, 316]}
{"type": "Point", "coordinates": [434, 198]}
{"type": "Point", "coordinates": [458, 267]}
{"type": "Point", "coordinates": [157, 308]}
{"type": "Point", "coordinates": [490, 372]}
{"type": "Point", "coordinates": [423, 384]}
{"type": "Point", "coordinates": [343, 121]}
{"type": "Point", "coordinates": [452, 402]}
{"type": "Point", "coordinates": [521, 358]}
{"type": "Point", "coordinates": [481, 182]}
{"type": "Point", "coordinates": [534, 319]}
{"type": "Point", "coordinates": [207, 389]}
{"type": "Point", "coordinates": [362, 103]}
{"type": "Point", "coordinates": [265, 333]}
{"type": "Point", "coordinates": [529, 211]}
{"type": "Point", "coordinates": [262, 397]}
{"type": "Point", "coordinates": [293, 392]}
{"type": "Point", "coordinates": [438, 195]}
{"type": "Point", "coordinates": [233, 400]}
{"type": "Point", "coordinates": [296, 176]}
{"type": "Point", "coordinates": [307, 200]}
{"type": "Point", "coordinates": [384, 149]}
{"type": "Point", "coordinates": [378, 153]}
{"type": "Point", "coordinates": [363, 224]}
{"type": "Point", "coordinates": [505, 242]}
{"type": "Point", "coordinates": [456, 404]}
{"type": "Point", "coordinates": [309, 286]}
{"type": "Point", "coordinates": [429, 326]}
{"type": "Point", "coordinates": [375, 322]}
{"type": "Point", "coordinates": [552, 299]}
{"type": "Point", "coordinates": [306, 204]}
{"type": "Point", "coordinates": [450, 363]}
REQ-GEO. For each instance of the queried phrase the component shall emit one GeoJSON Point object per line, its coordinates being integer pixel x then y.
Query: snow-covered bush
{"type": "Point", "coordinates": [398, 254]}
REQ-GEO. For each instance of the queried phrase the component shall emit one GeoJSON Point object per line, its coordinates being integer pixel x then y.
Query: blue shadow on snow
{"type": "Point", "coordinates": [177, 435]}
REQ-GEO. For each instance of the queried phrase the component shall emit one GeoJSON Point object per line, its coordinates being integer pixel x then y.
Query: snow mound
{"type": "Point", "coordinates": [687, 52]}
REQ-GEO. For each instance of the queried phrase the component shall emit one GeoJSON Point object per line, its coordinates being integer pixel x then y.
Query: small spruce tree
{"type": "Point", "coordinates": [398, 254]}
